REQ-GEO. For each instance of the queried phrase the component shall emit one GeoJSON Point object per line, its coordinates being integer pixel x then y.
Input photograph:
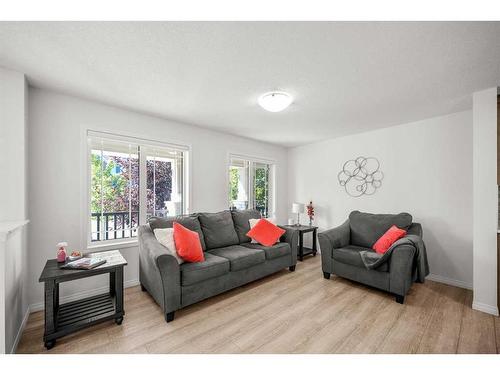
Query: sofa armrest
{"type": "Point", "coordinates": [333, 239]}
{"type": "Point", "coordinates": [401, 269]}
{"type": "Point", "coordinates": [159, 272]}
{"type": "Point", "coordinates": [291, 237]}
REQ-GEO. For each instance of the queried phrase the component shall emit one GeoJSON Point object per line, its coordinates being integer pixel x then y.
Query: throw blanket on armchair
{"type": "Point", "coordinates": [373, 260]}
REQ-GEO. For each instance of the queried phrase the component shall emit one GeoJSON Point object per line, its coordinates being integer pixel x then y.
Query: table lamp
{"type": "Point", "coordinates": [298, 208]}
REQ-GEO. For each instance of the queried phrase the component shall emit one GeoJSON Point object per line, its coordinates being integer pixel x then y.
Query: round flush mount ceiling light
{"type": "Point", "coordinates": [275, 101]}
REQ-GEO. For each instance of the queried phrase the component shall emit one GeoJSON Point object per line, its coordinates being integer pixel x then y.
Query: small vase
{"type": "Point", "coordinates": [61, 252]}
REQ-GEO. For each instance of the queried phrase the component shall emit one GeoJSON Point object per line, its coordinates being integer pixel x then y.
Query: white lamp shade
{"type": "Point", "coordinates": [298, 208]}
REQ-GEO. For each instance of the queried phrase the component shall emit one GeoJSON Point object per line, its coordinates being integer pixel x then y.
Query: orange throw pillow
{"type": "Point", "coordinates": [187, 244]}
{"type": "Point", "coordinates": [388, 238]}
{"type": "Point", "coordinates": [265, 233]}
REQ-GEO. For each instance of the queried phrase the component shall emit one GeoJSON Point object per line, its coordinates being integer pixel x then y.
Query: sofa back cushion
{"type": "Point", "coordinates": [218, 229]}
{"type": "Point", "coordinates": [241, 220]}
{"type": "Point", "coordinates": [367, 228]}
{"type": "Point", "coordinates": [191, 222]}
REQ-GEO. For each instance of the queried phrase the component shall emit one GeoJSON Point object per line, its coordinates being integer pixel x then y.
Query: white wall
{"type": "Point", "coordinates": [485, 200]}
{"type": "Point", "coordinates": [428, 173]}
{"type": "Point", "coordinates": [13, 196]}
{"type": "Point", "coordinates": [55, 157]}
{"type": "Point", "coordinates": [13, 91]}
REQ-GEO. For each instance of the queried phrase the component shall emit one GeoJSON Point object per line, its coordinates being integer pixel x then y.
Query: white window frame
{"type": "Point", "coordinates": [272, 179]}
{"type": "Point", "coordinates": [143, 143]}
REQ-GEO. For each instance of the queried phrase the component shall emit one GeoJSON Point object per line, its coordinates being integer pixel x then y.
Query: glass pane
{"type": "Point", "coordinates": [95, 195]}
{"type": "Point", "coordinates": [114, 191]}
{"type": "Point", "coordinates": [261, 188]}
{"type": "Point", "coordinates": [164, 183]}
{"type": "Point", "coordinates": [238, 184]}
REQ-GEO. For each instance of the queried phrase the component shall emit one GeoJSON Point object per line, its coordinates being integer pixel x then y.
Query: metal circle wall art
{"type": "Point", "coordinates": [361, 176]}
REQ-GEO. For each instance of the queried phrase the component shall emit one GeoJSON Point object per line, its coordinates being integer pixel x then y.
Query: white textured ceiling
{"type": "Point", "coordinates": [346, 77]}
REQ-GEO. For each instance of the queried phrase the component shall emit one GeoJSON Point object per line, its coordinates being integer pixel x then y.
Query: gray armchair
{"type": "Point", "coordinates": [341, 247]}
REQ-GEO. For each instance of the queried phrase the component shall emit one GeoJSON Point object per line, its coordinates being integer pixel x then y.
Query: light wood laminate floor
{"type": "Point", "coordinates": [291, 312]}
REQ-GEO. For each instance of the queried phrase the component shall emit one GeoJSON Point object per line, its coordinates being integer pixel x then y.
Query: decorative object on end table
{"type": "Point", "coordinates": [361, 176]}
{"type": "Point", "coordinates": [84, 264]}
{"type": "Point", "coordinates": [298, 208]}
{"type": "Point", "coordinates": [310, 213]}
{"type": "Point", "coordinates": [61, 252]}
{"type": "Point", "coordinates": [75, 254]}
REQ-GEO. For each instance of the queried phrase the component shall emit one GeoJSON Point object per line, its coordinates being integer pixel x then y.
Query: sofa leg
{"type": "Point", "coordinates": [400, 299]}
{"type": "Point", "coordinates": [169, 316]}
{"type": "Point", "coordinates": [143, 288]}
{"type": "Point", "coordinates": [326, 275]}
{"type": "Point", "coordinates": [292, 268]}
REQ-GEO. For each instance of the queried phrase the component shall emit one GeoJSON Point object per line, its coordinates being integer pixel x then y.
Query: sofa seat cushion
{"type": "Point", "coordinates": [279, 249]}
{"type": "Point", "coordinates": [240, 257]}
{"type": "Point", "coordinates": [367, 228]}
{"type": "Point", "coordinates": [218, 229]}
{"type": "Point", "coordinates": [213, 266]}
{"type": "Point", "coordinates": [350, 255]}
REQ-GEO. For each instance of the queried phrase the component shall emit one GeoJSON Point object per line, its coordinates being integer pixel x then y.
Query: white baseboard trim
{"type": "Point", "coordinates": [488, 309]}
{"type": "Point", "coordinates": [448, 281]}
{"type": "Point", "coordinates": [38, 306]}
{"type": "Point", "coordinates": [20, 331]}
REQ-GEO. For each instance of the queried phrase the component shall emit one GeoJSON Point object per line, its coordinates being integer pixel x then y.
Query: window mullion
{"type": "Point", "coordinates": [251, 185]}
{"type": "Point", "coordinates": [130, 189]}
{"type": "Point", "coordinates": [102, 194]}
{"type": "Point", "coordinates": [143, 175]}
{"type": "Point", "coordinates": [154, 184]}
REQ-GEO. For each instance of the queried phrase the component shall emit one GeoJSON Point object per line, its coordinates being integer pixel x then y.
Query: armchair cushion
{"type": "Point", "coordinates": [388, 238]}
{"type": "Point", "coordinates": [351, 255]}
{"type": "Point", "coordinates": [367, 228]}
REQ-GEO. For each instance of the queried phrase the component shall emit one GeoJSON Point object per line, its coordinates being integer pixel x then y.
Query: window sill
{"type": "Point", "coordinates": [112, 246]}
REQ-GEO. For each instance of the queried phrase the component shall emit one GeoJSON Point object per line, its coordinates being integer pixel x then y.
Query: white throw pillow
{"type": "Point", "coordinates": [252, 223]}
{"type": "Point", "coordinates": [165, 236]}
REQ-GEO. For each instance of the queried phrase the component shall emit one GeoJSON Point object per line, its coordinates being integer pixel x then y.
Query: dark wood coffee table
{"type": "Point", "coordinates": [302, 250]}
{"type": "Point", "coordinates": [61, 320]}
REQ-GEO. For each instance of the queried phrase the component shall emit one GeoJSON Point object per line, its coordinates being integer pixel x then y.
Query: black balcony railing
{"type": "Point", "coordinates": [113, 225]}
{"type": "Point", "coordinates": [116, 225]}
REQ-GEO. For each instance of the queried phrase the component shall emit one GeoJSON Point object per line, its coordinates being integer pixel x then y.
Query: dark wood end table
{"type": "Point", "coordinates": [302, 250]}
{"type": "Point", "coordinates": [61, 320]}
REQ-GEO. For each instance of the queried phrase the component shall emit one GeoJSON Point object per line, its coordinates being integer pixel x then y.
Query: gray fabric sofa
{"type": "Point", "coordinates": [340, 252]}
{"type": "Point", "coordinates": [230, 259]}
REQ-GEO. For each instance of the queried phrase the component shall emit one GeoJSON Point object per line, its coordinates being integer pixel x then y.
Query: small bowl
{"type": "Point", "coordinates": [72, 258]}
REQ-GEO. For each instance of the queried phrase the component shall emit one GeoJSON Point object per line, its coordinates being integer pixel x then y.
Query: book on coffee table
{"type": "Point", "coordinates": [84, 264]}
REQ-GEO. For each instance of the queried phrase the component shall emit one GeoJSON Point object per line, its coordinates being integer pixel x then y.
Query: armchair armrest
{"type": "Point", "coordinates": [401, 269]}
{"type": "Point", "coordinates": [333, 239]}
{"type": "Point", "coordinates": [292, 238]}
{"type": "Point", "coordinates": [159, 272]}
{"type": "Point", "coordinates": [416, 229]}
